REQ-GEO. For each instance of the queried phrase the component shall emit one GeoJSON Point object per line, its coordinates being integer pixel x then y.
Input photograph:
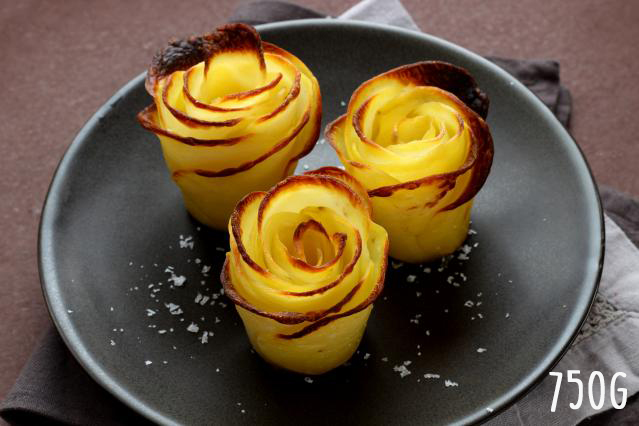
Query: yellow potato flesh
{"type": "Point", "coordinates": [262, 120]}
{"type": "Point", "coordinates": [410, 133]}
{"type": "Point", "coordinates": [283, 267]}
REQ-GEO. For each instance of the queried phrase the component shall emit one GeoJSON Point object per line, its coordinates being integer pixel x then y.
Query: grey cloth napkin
{"type": "Point", "coordinates": [53, 389]}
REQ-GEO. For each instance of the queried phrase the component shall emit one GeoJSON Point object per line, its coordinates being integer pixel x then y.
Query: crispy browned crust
{"type": "Point", "coordinates": [379, 286]}
{"type": "Point", "coordinates": [249, 164]}
{"type": "Point", "coordinates": [183, 54]}
{"type": "Point", "coordinates": [188, 120]}
{"type": "Point", "coordinates": [146, 120]}
{"type": "Point", "coordinates": [253, 92]}
{"type": "Point", "coordinates": [324, 181]}
{"type": "Point", "coordinates": [448, 77]}
{"type": "Point", "coordinates": [339, 239]}
{"type": "Point", "coordinates": [317, 318]}
{"type": "Point", "coordinates": [342, 175]}
{"type": "Point", "coordinates": [292, 95]}
{"type": "Point", "coordinates": [187, 92]}
{"type": "Point", "coordinates": [480, 154]}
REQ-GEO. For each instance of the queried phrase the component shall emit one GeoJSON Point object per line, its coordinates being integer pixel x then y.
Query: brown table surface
{"type": "Point", "coordinates": [61, 60]}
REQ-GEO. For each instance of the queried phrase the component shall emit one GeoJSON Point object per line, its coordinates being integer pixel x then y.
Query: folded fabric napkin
{"type": "Point", "coordinates": [54, 389]}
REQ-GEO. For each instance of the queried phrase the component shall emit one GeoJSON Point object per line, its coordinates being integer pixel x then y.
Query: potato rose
{"type": "Point", "coordinates": [233, 115]}
{"type": "Point", "coordinates": [306, 264]}
{"type": "Point", "coordinates": [415, 137]}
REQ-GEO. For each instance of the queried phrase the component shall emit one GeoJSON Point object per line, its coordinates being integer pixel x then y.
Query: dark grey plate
{"type": "Point", "coordinates": [113, 218]}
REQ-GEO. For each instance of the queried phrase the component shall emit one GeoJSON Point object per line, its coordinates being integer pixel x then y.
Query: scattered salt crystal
{"type": "Point", "coordinates": [428, 332]}
{"type": "Point", "coordinates": [193, 328]}
{"type": "Point", "coordinates": [490, 410]}
{"type": "Point", "coordinates": [480, 316]}
{"type": "Point", "coordinates": [165, 362]}
{"type": "Point", "coordinates": [306, 167]}
{"type": "Point", "coordinates": [147, 362]}
{"type": "Point", "coordinates": [418, 293]}
{"type": "Point", "coordinates": [205, 337]}
{"type": "Point", "coordinates": [173, 308]}
{"type": "Point", "coordinates": [178, 281]}
{"type": "Point", "coordinates": [402, 370]}
{"type": "Point", "coordinates": [367, 355]}
{"type": "Point", "coordinates": [476, 245]}
{"type": "Point", "coordinates": [450, 383]}
{"type": "Point", "coordinates": [308, 379]}
{"type": "Point", "coordinates": [130, 263]}
{"type": "Point", "coordinates": [469, 304]}
{"type": "Point", "coordinates": [431, 376]}
{"type": "Point", "coordinates": [112, 342]}
{"type": "Point", "coordinates": [69, 311]}
{"type": "Point", "coordinates": [217, 320]}
{"type": "Point", "coordinates": [217, 370]}
{"type": "Point", "coordinates": [222, 249]}
{"type": "Point", "coordinates": [385, 359]}
{"type": "Point", "coordinates": [396, 265]}
{"type": "Point", "coordinates": [161, 331]}
{"type": "Point", "coordinates": [111, 308]}
{"type": "Point", "coordinates": [243, 411]}
{"type": "Point", "coordinates": [411, 278]}
{"type": "Point", "coordinates": [507, 314]}
{"type": "Point", "coordinates": [479, 294]}
{"type": "Point", "coordinates": [450, 279]}
{"type": "Point", "coordinates": [198, 297]}
{"type": "Point", "coordinates": [478, 303]}
{"type": "Point", "coordinates": [205, 269]}
{"type": "Point", "coordinates": [186, 242]}
{"type": "Point", "coordinates": [427, 270]}
{"type": "Point", "coordinates": [342, 103]}
{"type": "Point", "coordinates": [463, 276]}
{"type": "Point", "coordinates": [472, 232]}
{"type": "Point", "coordinates": [204, 300]}
{"type": "Point", "coordinates": [481, 350]}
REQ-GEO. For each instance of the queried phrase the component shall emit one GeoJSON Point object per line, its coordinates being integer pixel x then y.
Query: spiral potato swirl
{"type": "Point", "coordinates": [233, 115]}
{"type": "Point", "coordinates": [306, 264]}
{"type": "Point", "coordinates": [415, 138]}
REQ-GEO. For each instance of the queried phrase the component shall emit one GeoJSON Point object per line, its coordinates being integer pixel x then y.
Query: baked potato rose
{"type": "Point", "coordinates": [416, 138]}
{"type": "Point", "coordinates": [305, 266]}
{"type": "Point", "coordinates": [233, 115]}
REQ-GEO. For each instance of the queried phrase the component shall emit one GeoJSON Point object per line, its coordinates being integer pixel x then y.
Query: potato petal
{"type": "Point", "coordinates": [305, 266]}
{"type": "Point", "coordinates": [415, 137]}
{"type": "Point", "coordinates": [233, 116]}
